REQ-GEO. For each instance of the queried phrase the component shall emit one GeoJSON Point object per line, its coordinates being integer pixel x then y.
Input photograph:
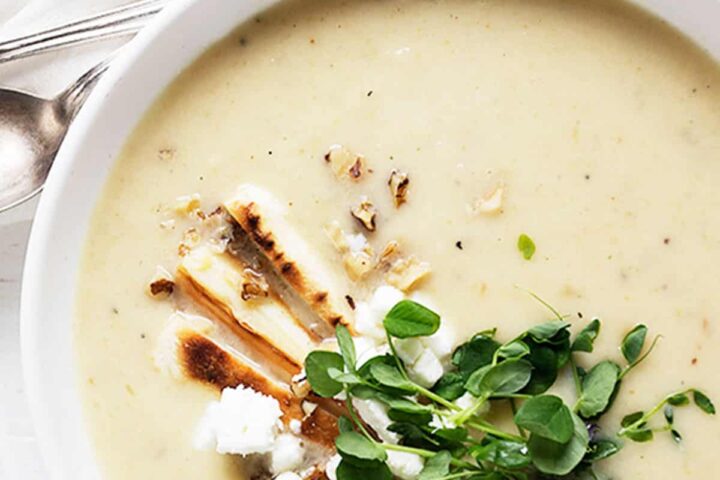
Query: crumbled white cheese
{"type": "Point", "coordinates": [331, 467]}
{"type": "Point", "coordinates": [374, 413]}
{"type": "Point", "coordinates": [356, 243]}
{"type": "Point", "coordinates": [308, 407]}
{"type": "Point", "coordinates": [287, 453]}
{"type": "Point", "coordinates": [405, 466]}
{"type": "Point", "coordinates": [288, 476]}
{"type": "Point", "coordinates": [409, 349]}
{"type": "Point", "coordinates": [427, 369]}
{"type": "Point", "coordinates": [242, 422]}
{"type": "Point", "coordinates": [441, 342]}
{"type": "Point", "coordinates": [368, 323]}
{"type": "Point", "coordinates": [384, 299]}
{"type": "Point", "coordinates": [491, 202]}
{"type": "Point", "coordinates": [465, 401]}
{"type": "Point", "coordinates": [295, 426]}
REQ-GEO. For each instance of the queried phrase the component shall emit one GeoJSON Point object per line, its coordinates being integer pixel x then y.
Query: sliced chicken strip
{"type": "Point", "coordinates": [185, 350]}
{"type": "Point", "coordinates": [213, 281]}
{"type": "Point", "coordinates": [263, 218]}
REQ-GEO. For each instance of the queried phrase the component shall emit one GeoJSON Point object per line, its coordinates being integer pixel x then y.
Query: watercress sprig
{"type": "Point", "coordinates": [552, 438]}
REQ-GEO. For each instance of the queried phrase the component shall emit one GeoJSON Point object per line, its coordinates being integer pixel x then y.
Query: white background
{"type": "Point", "coordinates": [44, 75]}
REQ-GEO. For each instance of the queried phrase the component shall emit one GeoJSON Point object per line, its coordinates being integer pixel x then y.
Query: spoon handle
{"type": "Point", "coordinates": [124, 20]}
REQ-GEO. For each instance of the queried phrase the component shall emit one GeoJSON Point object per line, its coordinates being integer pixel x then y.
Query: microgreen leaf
{"type": "Point", "coordinates": [514, 349]}
{"type": "Point", "coordinates": [631, 418]}
{"type": "Point", "coordinates": [374, 471]}
{"type": "Point", "coordinates": [317, 365]}
{"type": "Point", "coordinates": [390, 376]}
{"type": "Point", "coordinates": [451, 386]}
{"type": "Point", "coordinates": [633, 342]}
{"type": "Point", "coordinates": [640, 435]}
{"type": "Point", "coordinates": [546, 416]}
{"type": "Point", "coordinates": [703, 402]}
{"type": "Point", "coordinates": [678, 400]}
{"type": "Point", "coordinates": [474, 354]}
{"type": "Point", "coordinates": [345, 424]}
{"type": "Point", "coordinates": [546, 332]}
{"type": "Point", "coordinates": [544, 361]}
{"type": "Point", "coordinates": [404, 410]}
{"type": "Point", "coordinates": [410, 319]}
{"type": "Point", "coordinates": [601, 449]}
{"type": "Point", "coordinates": [669, 414]}
{"type": "Point", "coordinates": [343, 377]}
{"type": "Point", "coordinates": [346, 345]}
{"type": "Point", "coordinates": [503, 453]}
{"type": "Point", "coordinates": [437, 466]}
{"type": "Point", "coordinates": [597, 388]}
{"type": "Point", "coordinates": [506, 377]}
{"type": "Point", "coordinates": [584, 342]}
{"type": "Point", "coordinates": [555, 458]}
{"type": "Point", "coordinates": [359, 450]}
{"type": "Point", "coordinates": [526, 246]}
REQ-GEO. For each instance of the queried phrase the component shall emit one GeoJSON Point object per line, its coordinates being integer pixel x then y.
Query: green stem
{"type": "Point", "coordinates": [423, 453]}
{"type": "Point", "coordinates": [543, 302]}
{"type": "Point", "coordinates": [436, 398]}
{"type": "Point", "coordinates": [492, 430]}
{"type": "Point", "coordinates": [463, 416]}
{"type": "Point", "coordinates": [520, 396]}
{"type": "Point", "coordinates": [627, 369]}
{"type": "Point", "coordinates": [651, 412]}
{"type": "Point", "coordinates": [398, 362]}
{"type": "Point", "coordinates": [513, 408]}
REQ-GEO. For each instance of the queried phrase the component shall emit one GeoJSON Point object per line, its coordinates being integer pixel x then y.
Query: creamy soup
{"type": "Point", "coordinates": [600, 121]}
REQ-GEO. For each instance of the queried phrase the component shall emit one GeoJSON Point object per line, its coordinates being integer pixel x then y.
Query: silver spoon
{"type": "Point", "coordinates": [31, 131]}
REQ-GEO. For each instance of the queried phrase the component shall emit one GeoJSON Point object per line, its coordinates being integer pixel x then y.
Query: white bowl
{"type": "Point", "coordinates": [135, 79]}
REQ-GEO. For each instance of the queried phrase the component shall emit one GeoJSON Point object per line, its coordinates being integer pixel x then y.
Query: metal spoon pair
{"type": "Point", "coordinates": [32, 128]}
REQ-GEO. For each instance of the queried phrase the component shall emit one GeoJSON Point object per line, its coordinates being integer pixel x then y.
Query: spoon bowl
{"type": "Point", "coordinates": [31, 131]}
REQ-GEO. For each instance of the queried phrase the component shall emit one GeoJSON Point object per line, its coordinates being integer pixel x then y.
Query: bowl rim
{"type": "Point", "coordinates": [33, 313]}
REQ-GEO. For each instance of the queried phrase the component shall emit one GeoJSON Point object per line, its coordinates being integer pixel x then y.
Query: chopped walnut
{"type": "Point", "coordinates": [186, 204]}
{"type": "Point", "coordinates": [365, 213]}
{"type": "Point", "coordinates": [345, 163]}
{"type": "Point", "coordinates": [162, 284]}
{"type": "Point", "coordinates": [191, 239]}
{"type": "Point", "coordinates": [358, 264]}
{"type": "Point", "coordinates": [337, 237]}
{"type": "Point", "coordinates": [399, 182]}
{"type": "Point", "coordinates": [405, 273]}
{"type": "Point", "coordinates": [492, 202]}
{"type": "Point", "coordinates": [300, 386]}
{"type": "Point", "coordinates": [391, 250]}
{"type": "Point", "coordinates": [253, 285]}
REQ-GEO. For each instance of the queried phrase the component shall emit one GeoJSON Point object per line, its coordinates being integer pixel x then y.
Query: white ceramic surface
{"type": "Point", "coordinates": [125, 92]}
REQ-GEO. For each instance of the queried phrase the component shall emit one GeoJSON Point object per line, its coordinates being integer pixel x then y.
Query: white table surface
{"type": "Point", "coordinates": [44, 75]}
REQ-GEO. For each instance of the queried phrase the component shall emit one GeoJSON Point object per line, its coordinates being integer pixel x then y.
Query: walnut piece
{"type": "Point", "coordinates": [492, 202]}
{"type": "Point", "coordinates": [358, 255]}
{"type": "Point", "coordinates": [405, 273]}
{"type": "Point", "coordinates": [389, 253]}
{"type": "Point", "coordinates": [253, 285]}
{"type": "Point", "coordinates": [365, 213]}
{"type": "Point", "coordinates": [186, 204]}
{"type": "Point", "coordinates": [398, 183]}
{"type": "Point", "coordinates": [358, 264]}
{"type": "Point", "coordinates": [337, 236]}
{"type": "Point", "coordinates": [162, 284]}
{"type": "Point", "coordinates": [345, 163]}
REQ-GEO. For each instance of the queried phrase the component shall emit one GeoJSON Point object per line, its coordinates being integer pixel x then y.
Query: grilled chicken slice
{"type": "Point", "coordinates": [262, 217]}
{"type": "Point", "coordinates": [187, 351]}
{"type": "Point", "coordinates": [214, 281]}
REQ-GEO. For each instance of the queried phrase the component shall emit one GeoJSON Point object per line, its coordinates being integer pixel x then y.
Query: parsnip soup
{"type": "Point", "coordinates": [330, 158]}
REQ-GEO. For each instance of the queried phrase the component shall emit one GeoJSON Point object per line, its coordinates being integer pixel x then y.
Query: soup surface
{"type": "Point", "coordinates": [601, 122]}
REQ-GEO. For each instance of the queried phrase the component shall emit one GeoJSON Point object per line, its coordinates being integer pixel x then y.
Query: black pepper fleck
{"type": "Point", "coordinates": [666, 241]}
{"type": "Point", "coordinates": [350, 301]}
{"type": "Point", "coordinates": [580, 315]}
{"type": "Point", "coordinates": [369, 94]}
{"type": "Point", "coordinates": [459, 245]}
{"type": "Point", "coordinates": [587, 176]}
{"type": "Point", "coordinates": [269, 152]}
{"type": "Point", "coordinates": [115, 310]}
{"type": "Point", "coordinates": [142, 335]}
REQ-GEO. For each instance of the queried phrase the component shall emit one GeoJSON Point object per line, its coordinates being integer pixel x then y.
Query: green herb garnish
{"type": "Point", "coordinates": [526, 246]}
{"type": "Point", "coordinates": [551, 437]}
